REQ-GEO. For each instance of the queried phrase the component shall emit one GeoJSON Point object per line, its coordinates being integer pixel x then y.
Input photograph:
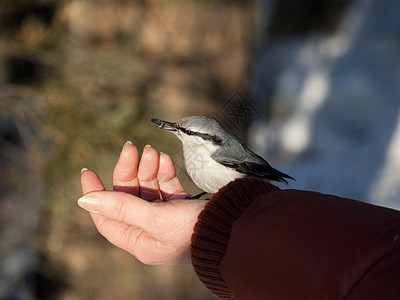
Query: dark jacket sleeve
{"type": "Point", "coordinates": [254, 241]}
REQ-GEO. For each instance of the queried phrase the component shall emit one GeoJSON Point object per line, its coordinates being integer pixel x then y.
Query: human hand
{"type": "Point", "coordinates": [156, 230]}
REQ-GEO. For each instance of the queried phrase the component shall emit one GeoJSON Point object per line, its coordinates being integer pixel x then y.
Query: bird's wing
{"type": "Point", "coordinates": [242, 166]}
{"type": "Point", "coordinates": [257, 167]}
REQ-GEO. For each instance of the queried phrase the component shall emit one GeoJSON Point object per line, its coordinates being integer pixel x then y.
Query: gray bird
{"type": "Point", "coordinates": [214, 156]}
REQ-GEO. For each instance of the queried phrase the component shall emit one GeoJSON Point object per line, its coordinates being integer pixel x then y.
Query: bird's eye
{"type": "Point", "coordinates": [188, 132]}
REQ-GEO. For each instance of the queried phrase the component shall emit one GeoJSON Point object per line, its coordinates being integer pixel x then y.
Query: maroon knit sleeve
{"type": "Point", "coordinates": [293, 244]}
{"type": "Point", "coordinates": [213, 229]}
{"type": "Point", "coordinates": [254, 241]}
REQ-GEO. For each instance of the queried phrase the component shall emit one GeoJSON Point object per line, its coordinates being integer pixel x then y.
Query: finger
{"type": "Point", "coordinates": [126, 221]}
{"type": "Point", "coordinates": [140, 227]}
{"type": "Point", "coordinates": [134, 240]}
{"type": "Point", "coordinates": [120, 234]}
{"type": "Point", "coordinates": [90, 182]}
{"type": "Point", "coordinates": [125, 171]}
{"type": "Point", "coordinates": [118, 206]}
{"type": "Point", "coordinates": [147, 174]}
{"type": "Point", "coordinates": [169, 183]}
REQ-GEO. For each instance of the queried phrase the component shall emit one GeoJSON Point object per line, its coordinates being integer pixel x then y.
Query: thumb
{"type": "Point", "coordinates": [122, 219]}
{"type": "Point", "coordinates": [118, 206]}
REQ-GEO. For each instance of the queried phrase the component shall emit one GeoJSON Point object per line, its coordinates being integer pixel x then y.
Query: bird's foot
{"type": "Point", "coordinates": [197, 196]}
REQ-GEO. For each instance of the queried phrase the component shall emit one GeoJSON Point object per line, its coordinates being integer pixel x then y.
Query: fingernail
{"type": "Point", "coordinates": [83, 170]}
{"type": "Point", "coordinates": [128, 143]}
{"type": "Point", "coordinates": [89, 202]}
{"type": "Point", "coordinates": [147, 146]}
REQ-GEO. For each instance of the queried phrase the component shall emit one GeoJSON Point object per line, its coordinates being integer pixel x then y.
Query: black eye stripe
{"type": "Point", "coordinates": [184, 130]}
{"type": "Point", "coordinates": [208, 137]}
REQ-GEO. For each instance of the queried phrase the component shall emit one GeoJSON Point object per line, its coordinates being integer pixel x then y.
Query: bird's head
{"type": "Point", "coordinates": [194, 129]}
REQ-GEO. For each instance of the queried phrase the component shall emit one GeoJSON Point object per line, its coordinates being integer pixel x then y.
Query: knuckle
{"type": "Point", "coordinates": [101, 225]}
{"type": "Point", "coordinates": [139, 248]}
{"type": "Point", "coordinates": [119, 209]}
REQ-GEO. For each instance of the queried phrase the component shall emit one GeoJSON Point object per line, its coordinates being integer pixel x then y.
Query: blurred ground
{"type": "Point", "coordinates": [78, 79]}
{"type": "Point", "coordinates": [318, 81]}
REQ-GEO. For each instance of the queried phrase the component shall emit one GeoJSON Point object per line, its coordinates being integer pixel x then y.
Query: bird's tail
{"type": "Point", "coordinates": [279, 176]}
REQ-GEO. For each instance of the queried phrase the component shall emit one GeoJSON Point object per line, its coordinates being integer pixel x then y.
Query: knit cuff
{"type": "Point", "coordinates": [213, 229]}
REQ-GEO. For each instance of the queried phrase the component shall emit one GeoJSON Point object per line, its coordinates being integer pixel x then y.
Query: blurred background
{"type": "Point", "coordinates": [313, 86]}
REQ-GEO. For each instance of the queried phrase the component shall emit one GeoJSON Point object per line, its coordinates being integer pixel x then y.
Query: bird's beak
{"type": "Point", "coordinates": [165, 125]}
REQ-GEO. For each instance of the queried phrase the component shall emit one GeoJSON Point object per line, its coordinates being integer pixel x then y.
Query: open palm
{"type": "Point", "coordinates": [147, 213]}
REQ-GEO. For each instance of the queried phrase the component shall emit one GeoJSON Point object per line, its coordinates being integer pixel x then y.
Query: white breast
{"type": "Point", "coordinates": [205, 172]}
